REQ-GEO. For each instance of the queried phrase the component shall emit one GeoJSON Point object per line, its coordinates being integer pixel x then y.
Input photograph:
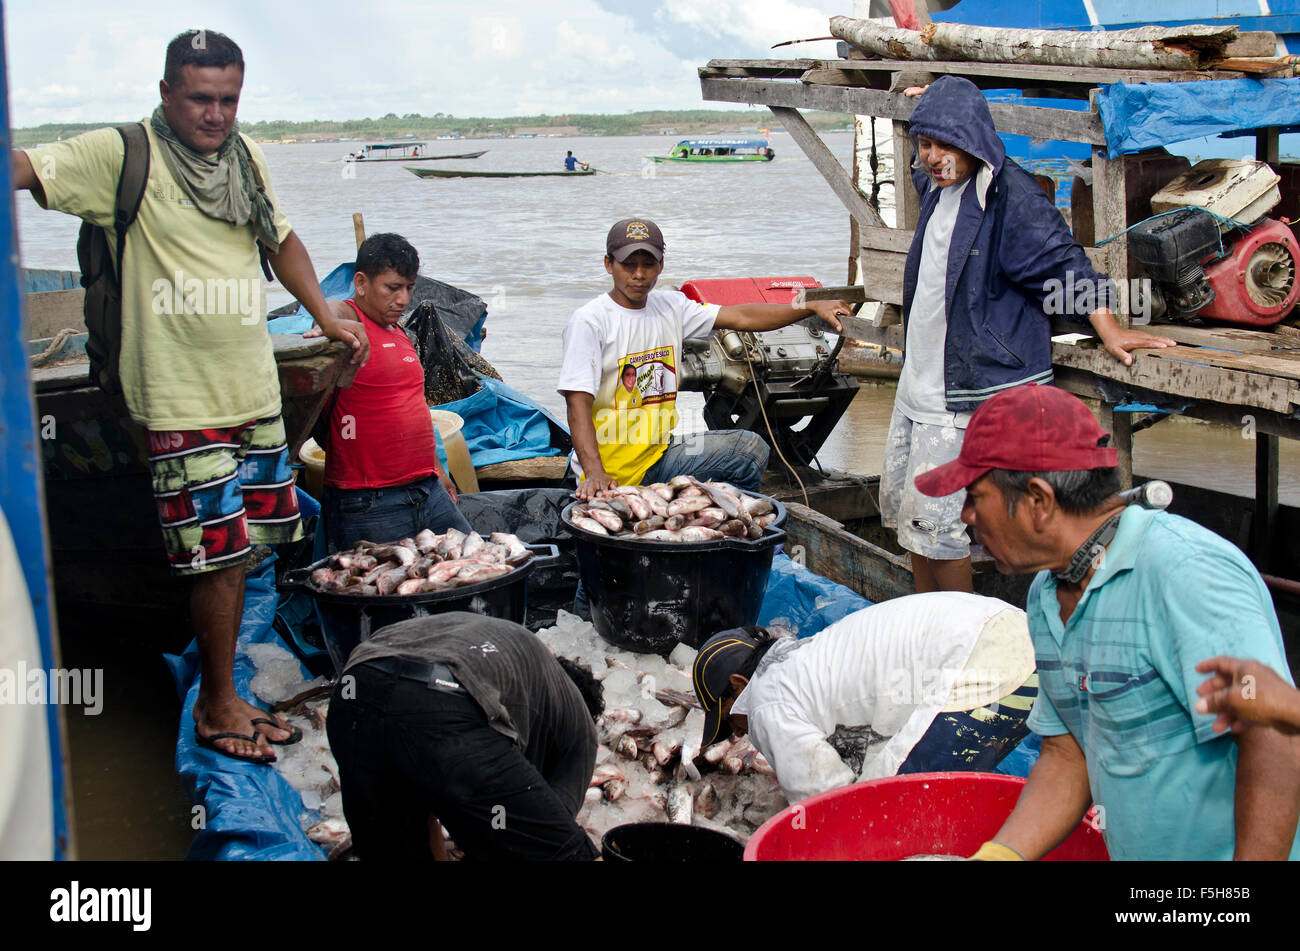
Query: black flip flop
{"type": "Point", "coordinates": [209, 743]}
{"type": "Point", "coordinates": [295, 734]}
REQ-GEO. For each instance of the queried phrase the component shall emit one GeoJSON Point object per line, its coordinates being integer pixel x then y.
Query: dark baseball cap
{"type": "Point", "coordinates": [1031, 428]}
{"type": "Point", "coordinates": [720, 656]}
{"type": "Point", "coordinates": [634, 234]}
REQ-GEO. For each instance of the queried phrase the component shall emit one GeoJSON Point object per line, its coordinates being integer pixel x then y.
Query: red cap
{"type": "Point", "coordinates": [1029, 429]}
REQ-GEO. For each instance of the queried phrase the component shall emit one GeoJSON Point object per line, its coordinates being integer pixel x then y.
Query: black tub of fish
{"type": "Point", "coordinates": [668, 842]}
{"type": "Point", "coordinates": [647, 596]}
{"type": "Point", "coordinates": [348, 618]}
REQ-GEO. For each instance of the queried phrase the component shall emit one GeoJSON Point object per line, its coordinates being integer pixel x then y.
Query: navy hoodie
{"type": "Point", "coordinates": [1008, 244]}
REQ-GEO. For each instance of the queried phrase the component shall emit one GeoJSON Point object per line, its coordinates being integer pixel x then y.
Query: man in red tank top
{"type": "Point", "coordinates": [382, 479]}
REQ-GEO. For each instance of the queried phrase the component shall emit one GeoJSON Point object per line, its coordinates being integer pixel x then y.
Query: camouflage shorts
{"type": "Point", "coordinates": [930, 527]}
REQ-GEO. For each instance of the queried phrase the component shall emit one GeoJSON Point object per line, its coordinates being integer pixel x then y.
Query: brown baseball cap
{"type": "Point", "coordinates": [634, 234]}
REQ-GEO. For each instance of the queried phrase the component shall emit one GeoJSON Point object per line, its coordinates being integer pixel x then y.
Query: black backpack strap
{"type": "Point", "coordinates": [261, 187]}
{"type": "Point", "coordinates": [130, 184]}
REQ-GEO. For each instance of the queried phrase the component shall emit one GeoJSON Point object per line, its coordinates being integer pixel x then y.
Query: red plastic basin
{"type": "Point", "coordinates": [893, 818]}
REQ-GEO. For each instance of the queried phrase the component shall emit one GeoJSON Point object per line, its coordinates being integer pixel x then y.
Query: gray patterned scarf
{"type": "Point", "coordinates": [228, 189]}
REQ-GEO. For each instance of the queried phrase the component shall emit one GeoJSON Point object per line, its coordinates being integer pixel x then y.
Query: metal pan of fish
{"type": "Point", "coordinates": [420, 570]}
{"type": "Point", "coordinates": [682, 511]}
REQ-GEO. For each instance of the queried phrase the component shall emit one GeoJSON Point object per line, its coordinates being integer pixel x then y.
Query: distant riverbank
{"type": "Point", "coordinates": [669, 123]}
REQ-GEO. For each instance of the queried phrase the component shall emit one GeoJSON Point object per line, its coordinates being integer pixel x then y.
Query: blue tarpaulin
{"type": "Point", "coordinates": [806, 601]}
{"type": "Point", "coordinates": [463, 317]}
{"type": "Point", "coordinates": [502, 424]}
{"type": "Point", "coordinates": [1150, 114]}
{"type": "Point", "coordinates": [248, 811]}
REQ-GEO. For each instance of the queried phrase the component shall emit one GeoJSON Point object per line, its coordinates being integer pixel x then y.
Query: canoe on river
{"type": "Point", "coordinates": [458, 173]}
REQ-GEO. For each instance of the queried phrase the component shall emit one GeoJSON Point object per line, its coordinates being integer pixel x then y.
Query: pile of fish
{"type": "Point", "coordinates": [427, 562]}
{"type": "Point", "coordinates": [649, 764]}
{"type": "Point", "coordinates": [684, 509]}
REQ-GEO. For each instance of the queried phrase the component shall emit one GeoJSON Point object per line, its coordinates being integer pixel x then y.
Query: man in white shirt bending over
{"type": "Point", "coordinates": [932, 682]}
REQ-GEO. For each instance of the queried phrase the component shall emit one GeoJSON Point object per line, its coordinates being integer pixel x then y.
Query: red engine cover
{"type": "Point", "coordinates": [747, 290]}
{"type": "Point", "coordinates": [1230, 278]}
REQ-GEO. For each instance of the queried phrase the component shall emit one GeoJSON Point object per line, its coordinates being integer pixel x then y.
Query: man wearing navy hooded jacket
{"type": "Point", "coordinates": [988, 250]}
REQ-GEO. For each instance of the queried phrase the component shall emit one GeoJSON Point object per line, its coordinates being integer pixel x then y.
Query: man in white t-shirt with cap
{"type": "Point", "coordinates": [635, 325]}
{"type": "Point", "coordinates": [932, 682]}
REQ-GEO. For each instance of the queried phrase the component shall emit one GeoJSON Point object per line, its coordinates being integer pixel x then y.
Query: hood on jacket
{"type": "Point", "coordinates": [954, 111]}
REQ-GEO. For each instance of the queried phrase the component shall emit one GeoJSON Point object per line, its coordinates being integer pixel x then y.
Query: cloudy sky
{"type": "Point", "coordinates": [91, 60]}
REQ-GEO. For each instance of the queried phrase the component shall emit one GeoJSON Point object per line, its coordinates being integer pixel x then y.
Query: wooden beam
{"type": "Point", "coordinates": [1034, 121]}
{"type": "Point", "coordinates": [1266, 149]}
{"type": "Point", "coordinates": [829, 167]}
{"type": "Point", "coordinates": [1120, 427]}
{"type": "Point", "coordinates": [882, 274]}
{"type": "Point", "coordinates": [1110, 217]}
{"type": "Point", "coordinates": [1264, 364]}
{"type": "Point", "coordinates": [1264, 524]}
{"type": "Point", "coordinates": [1252, 43]}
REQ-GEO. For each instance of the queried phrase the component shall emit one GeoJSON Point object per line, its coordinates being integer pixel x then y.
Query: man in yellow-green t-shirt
{"type": "Point", "coordinates": [197, 368]}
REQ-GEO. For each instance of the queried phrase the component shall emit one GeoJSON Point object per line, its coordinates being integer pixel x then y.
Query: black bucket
{"type": "Point", "coordinates": [649, 596]}
{"type": "Point", "coordinates": [668, 842]}
{"type": "Point", "coordinates": [348, 619]}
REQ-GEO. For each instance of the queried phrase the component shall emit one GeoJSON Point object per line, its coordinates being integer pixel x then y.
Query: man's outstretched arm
{"type": "Point", "coordinates": [1054, 800]}
{"type": "Point", "coordinates": [292, 265]}
{"type": "Point", "coordinates": [582, 430]}
{"type": "Point", "coordinates": [24, 175]}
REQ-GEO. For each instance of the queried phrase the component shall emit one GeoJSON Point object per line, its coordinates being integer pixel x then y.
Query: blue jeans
{"type": "Point", "coordinates": [388, 514]}
{"type": "Point", "coordinates": [721, 455]}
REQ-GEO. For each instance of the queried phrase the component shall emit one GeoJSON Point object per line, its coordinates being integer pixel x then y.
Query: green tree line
{"type": "Point", "coordinates": [684, 122]}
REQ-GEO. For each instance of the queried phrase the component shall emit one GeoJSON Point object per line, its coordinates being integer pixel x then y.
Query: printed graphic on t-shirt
{"type": "Point", "coordinates": [656, 374]}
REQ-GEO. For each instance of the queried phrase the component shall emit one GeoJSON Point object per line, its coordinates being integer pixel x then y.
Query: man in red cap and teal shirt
{"type": "Point", "coordinates": [1127, 600]}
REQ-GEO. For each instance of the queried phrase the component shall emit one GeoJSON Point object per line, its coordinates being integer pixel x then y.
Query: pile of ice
{"type": "Point", "coordinates": [308, 765]}
{"type": "Point", "coordinates": [649, 765]}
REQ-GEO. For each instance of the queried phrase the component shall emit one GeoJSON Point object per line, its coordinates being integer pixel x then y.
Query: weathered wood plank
{"type": "Point", "coordinates": [1040, 75]}
{"type": "Point", "coordinates": [1216, 384]}
{"type": "Point", "coordinates": [1035, 121]}
{"type": "Point", "coordinates": [1109, 213]}
{"type": "Point", "coordinates": [882, 274]}
{"type": "Point", "coordinates": [825, 162]}
{"type": "Point", "coordinates": [51, 311]}
{"type": "Point", "coordinates": [1262, 363]}
{"type": "Point", "coordinates": [524, 470]}
{"type": "Point", "coordinates": [1239, 340]}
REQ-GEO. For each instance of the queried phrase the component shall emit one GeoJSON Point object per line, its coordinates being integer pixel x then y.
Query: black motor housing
{"type": "Point", "coordinates": [1172, 249]}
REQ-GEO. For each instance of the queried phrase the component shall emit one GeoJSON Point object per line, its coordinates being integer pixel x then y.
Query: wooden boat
{"type": "Point", "coordinates": [718, 150]}
{"type": "Point", "coordinates": [460, 173]}
{"type": "Point", "coordinates": [838, 535]}
{"type": "Point", "coordinates": [406, 152]}
{"type": "Point", "coordinates": [105, 542]}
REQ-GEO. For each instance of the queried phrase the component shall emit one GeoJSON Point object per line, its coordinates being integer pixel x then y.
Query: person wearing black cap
{"type": "Point", "coordinates": [1126, 600]}
{"type": "Point", "coordinates": [635, 324]}
{"type": "Point", "coordinates": [469, 722]}
{"type": "Point", "coordinates": [926, 683]}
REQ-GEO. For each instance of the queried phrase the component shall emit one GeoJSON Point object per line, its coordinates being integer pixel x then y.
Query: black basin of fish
{"type": "Point", "coordinates": [348, 619]}
{"type": "Point", "coordinates": [666, 842]}
{"type": "Point", "coordinates": [648, 596]}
